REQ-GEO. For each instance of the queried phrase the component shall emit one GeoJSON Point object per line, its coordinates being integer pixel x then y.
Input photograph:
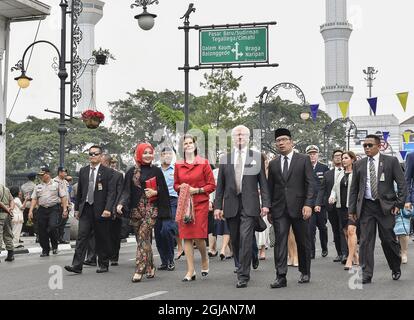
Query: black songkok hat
{"type": "Point", "coordinates": [282, 132]}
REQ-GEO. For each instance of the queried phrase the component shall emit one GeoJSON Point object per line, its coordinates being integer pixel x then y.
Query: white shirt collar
{"type": "Point", "coordinates": [376, 157]}
{"type": "Point", "coordinates": [97, 167]}
{"type": "Point", "coordinates": [290, 155]}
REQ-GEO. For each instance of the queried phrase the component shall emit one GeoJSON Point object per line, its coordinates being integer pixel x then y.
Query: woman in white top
{"type": "Point", "coordinates": [17, 222]}
{"type": "Point", "coordinates": [340, 196]}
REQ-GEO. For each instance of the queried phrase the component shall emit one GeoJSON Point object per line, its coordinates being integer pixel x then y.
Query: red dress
{"type": "Point", "coordinates": [197, 175]}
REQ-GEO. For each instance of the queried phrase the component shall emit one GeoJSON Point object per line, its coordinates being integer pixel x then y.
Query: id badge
{"type": "Point", "coordinates": [100, 187]}
{"type": "Point", "coordinates": [382, 178]}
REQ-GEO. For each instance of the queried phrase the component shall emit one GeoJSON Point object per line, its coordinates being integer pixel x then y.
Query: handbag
{"type": "Point", "coordinates": [152, 184]}
{"type": "Point", "coordinates": [260, 224]}
{"type": "Point", "coordinates": [185, 208]}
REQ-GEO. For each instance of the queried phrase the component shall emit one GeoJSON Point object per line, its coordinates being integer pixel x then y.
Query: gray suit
{"type": "Point", "coordinates": [288, 198]}
{"type": "Point", "coordinates": [242, 211]}
{"type": "Point", "coordinates": [378, 212]}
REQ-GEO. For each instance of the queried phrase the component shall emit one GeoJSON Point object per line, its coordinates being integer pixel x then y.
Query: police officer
{"type": "Point", "coordinates": [61, 178]}
{"type": "Point", "coordinates": [318, 218]}
{"type": "Point", "coordinates": [49, 196]}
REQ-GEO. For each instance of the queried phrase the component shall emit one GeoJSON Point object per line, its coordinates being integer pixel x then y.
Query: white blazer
{"type": "Point", "coordinates": [336, 190]}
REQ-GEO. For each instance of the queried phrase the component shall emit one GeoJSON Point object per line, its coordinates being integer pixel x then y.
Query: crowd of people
{"type": "Point", "coordinates": [247, 199]}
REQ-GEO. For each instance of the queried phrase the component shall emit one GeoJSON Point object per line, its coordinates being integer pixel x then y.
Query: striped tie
{"type": "Point", "coordinates": [373, 179]}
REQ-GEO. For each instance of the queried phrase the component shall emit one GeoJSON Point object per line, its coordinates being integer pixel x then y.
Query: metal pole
{"type": "Point", "coordinates": [261, 95]}
{"type": "Point", "coordinates": [186, 73]}
{"type": "Point", "coordinates": [62, 76]}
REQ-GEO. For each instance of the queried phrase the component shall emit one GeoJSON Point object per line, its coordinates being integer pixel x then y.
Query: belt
{"type": "Point", "coordinates": [55, 205]}
{"type": "Point", "coordinates": [373, 201]}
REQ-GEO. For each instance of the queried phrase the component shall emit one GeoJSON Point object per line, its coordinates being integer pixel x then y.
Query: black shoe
{"type": "Point", "coordinates": [212, 254]}
{"type": "Point", "coordinates": [114, 263]}
{"type": "Point", "coordinates": [337, 259]}
{"type": "Point", "coordinates": [235, 270]}
{"type": "Point", "coordinates": [171, 267]}
{"type": "Point", "coordinates": [241, 284]}
{"type": "Point", "coordinates": [396, 275]}
{"type": "Point", "coordinates": [162, 267]}
{"type": "Point", "coordinates": [187, 279]}
{"type": "Point", "coordinates": [73, 269]}
{"type": "Point", "coordinates": [102, 270]}
{"type": "Point", "coordinates": [55, 251]}
{"type": "Point", "coordinates": [10, 256]}
{"type": "Point", "coordinates": [366, 280]}
{"type": "Point", "coordinates": [21, 241]}
{"type": "Point", "coordinates": [180, 255]}
{"type": "Point", "coordinates": [324, 253]}
{"type": "Point", "coordinates": [304, 278]}
{"type": "Point", "coordinates": [255, 263]}
{"type": "Point", "coordinates": [344, 258]}
{"type": "Point", "coordinates": [280, 282]}
{"type": "Point", "coordinates": [222, 256]}
{"type": "Point", "coordinates": [44, 254]}
{"type": "Point", "coordinates": [90, 263]}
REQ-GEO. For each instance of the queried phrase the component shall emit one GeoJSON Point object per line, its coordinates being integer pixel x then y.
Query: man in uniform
{"type": "Point", "coordinates": [61, 178]}
{"type": "Point", "coordinates": [6, 215]}
{"type": "Point", "coordinates": [27, 190]}
{"type": "Point", "coordinates": [49, 196]}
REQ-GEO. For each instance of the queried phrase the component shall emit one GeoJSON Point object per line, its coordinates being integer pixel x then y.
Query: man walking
{"type": "Point", "coordinates": [6, 215]}
{"type": "Point", "coordinates": [291, 190]}
{"type": "Point", "coordinates": [61, 178]}
{"type": "Point", "coordinates": [50, 196]}
{"type": "Point", "coordinates": [241, 172]}
{"type": "Point", "coordinates": [94, 204]}
{"type": "Point", "coordinates": [318, 218]}
{"type": "Point", "coordinates": [374, 201]}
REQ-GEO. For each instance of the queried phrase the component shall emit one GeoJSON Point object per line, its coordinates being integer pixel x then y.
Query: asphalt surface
{"type": "Point", "coordinates": [32, 277]}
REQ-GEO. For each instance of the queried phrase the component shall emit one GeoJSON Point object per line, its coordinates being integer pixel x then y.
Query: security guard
{"type": "Point", "coordinates": [49, 195]}
{"type": "Point", "coordinates": [61, 178]}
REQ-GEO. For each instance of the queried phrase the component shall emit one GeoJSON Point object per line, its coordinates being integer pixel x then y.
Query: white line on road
{"type": "Point", "coordinates": [150, 295]}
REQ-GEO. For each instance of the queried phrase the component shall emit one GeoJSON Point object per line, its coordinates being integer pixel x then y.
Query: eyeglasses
{"type": "Point", "coordinates": [282, 140]}
{"type": "Point", "coordinates": [94, 154]}
{"type": "Point", "coordinates": [368, 145]}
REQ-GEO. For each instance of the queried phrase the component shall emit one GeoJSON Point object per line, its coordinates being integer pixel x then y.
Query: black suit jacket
{"type": "Point", "coordinates": [119, 185]}
{"type": "Point", "coordinates": [318, 174]}
{"type": "Point", "coordinates": [294, 193]}
{"type": "Point", "coordinates": [253, 176]}
{"type": "Point", "coordinates": [390, 167]}
{"type": "Point", "coordinates": [103, 199]}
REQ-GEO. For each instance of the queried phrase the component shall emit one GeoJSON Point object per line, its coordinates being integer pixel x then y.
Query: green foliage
{"type": "Point", "coordinates": [35, 142]}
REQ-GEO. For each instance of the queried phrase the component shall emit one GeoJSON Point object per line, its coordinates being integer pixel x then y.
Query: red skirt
{"type": "Point", "coordinates": [198, 229]}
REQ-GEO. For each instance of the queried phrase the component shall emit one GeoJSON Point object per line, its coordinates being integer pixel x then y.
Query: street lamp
{"type": "Point", "coordinates": [23, 81]}
{"type": "Point", "coordinates": [145, 19]}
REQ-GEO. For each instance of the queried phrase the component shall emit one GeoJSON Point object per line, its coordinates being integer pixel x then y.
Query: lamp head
{"type": "Point", "coordinates": [305, 115]}
{"type": "Point", "coordinates": [23, 81]}
{"type": "Point", "coordinates": [146, 20]}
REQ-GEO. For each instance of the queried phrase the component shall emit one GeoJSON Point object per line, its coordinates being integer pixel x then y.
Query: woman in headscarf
{"type": "Point", "coordinates": [146, 195]}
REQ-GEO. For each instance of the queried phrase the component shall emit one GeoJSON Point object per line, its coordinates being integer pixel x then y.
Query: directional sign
{"type": "Point", "coordinates": [238, 45]}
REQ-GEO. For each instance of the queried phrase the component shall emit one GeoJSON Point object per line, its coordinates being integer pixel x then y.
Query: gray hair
{"type": "Point", "coordinates": [240, 127]}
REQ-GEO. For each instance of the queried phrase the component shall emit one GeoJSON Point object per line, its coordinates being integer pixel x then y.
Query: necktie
{"type": "Point", "coordinates": [91, 186]}
{"type": "Point", "coordinates": [285, 168]}
{"type": "Point", "coordinates": [373, 179]}
{"type": "Point", "coordinates": [238, 171]}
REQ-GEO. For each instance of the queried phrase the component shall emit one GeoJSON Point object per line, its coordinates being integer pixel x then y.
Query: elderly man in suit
{"type": "Point", "coordinates": [374, 201]}
{"type": "Point", "coordinates": [93, 207]}
{"type": "Point", "coordinates": [291, 190]}
{"type": "Point", "coordinates": [241, 172]}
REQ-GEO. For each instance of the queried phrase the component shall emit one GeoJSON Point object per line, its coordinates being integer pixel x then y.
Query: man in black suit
{"type": "Point", "coordinates": [93, 208]}
{"type": "Point", "coordinates": [291, 189]}
{"type": "Point", "coordinates": [318, 218]}
{"type": "Point", "coordinates": [374, 200]}
{"type": "Point", "coordinates": [240, 174]}
{"type": "Point", "coordinates": [328, 181]}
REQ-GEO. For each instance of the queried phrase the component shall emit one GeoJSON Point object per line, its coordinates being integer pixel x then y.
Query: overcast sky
{"type": "Point", "coordinates": [382, 38]}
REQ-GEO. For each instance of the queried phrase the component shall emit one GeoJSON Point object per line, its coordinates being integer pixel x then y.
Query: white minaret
{"type": "Point", "coordinates": [91, 14]}
{"type": "Point", "coordinates": [336, 33]}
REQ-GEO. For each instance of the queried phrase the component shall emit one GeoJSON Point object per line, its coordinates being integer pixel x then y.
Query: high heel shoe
{"type": "Point", "coordinates": [151, 274]}
{"type": "Point", "coordinates": [180, 255]}
{"type": "Point", "coordinates": [222, 257]}
{"type": "Point", "coordinates": [137, 277]}
{"type": "Point", "coordinates": [210, 254]}
{"type": "Point", "coordinates": [204, 273]}
{"type": "Point", "coordinates": [187, 279]}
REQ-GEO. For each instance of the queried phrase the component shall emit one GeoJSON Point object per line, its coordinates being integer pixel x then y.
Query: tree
{"type": "Point", "coordinates": [35, 142]}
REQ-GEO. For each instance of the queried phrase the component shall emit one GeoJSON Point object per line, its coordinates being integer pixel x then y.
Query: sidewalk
{"type": "Point", "coordinates": [30, 246]}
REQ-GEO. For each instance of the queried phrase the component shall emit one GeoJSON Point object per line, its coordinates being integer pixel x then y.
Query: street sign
{"type": "Point", "coordinates": [234, 45]}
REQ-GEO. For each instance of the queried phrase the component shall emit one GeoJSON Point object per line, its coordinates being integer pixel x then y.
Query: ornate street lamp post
{"type": "Point", "coordinates": [145, 19]}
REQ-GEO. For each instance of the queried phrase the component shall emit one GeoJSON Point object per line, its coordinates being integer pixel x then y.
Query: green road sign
{"type": "Point", "coordinates": [238, 45]}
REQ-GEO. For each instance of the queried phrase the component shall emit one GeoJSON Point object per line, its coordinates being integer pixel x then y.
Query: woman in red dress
{"type": "Point", "coordinates": [195, 171]}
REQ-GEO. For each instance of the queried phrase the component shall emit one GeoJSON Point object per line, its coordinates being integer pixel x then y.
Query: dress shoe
{"type": "Point", "coordinates": [180, 255]}
{"type": "Point", "coordinates": [304, 278]}
{"type": "Point", "coordinates": [102, 270]}
{"type": "Point", "coordinates": [396, 275]}
{"type": "Point", "coordinates": [337, 259]}
{"type": "Point", "coordinates": [280, 282]}
{"type": "Point", "coordinates": [210, 254]}
{"type": "Point", "coordinates": [55, 251]}
{"type": "Point", "coordinates": [90, 263]}
{"type": "Point", "coordinates": [10, 256]}
{"type": "Point", "coordinates": [324, 253]}
{"type": "Point", "coordinates": [204, 273]}
{"type": "Point", "coordinates": [255, 263]}
{"type": "Point", "coordinates": [222, 257]}
{"type": "Point", "coordinates": [241, 284]}
{"type": "Point", "coordinates": [114, 263]}
{"type": "Point", "coordinates": [366, 280]}
{"type": "Point", "coordinates": [162, 267]}
{"type": "Point", "coordinates": [73, 269]}
{"type": "Point", "coordinates": [187, 279]}
{"type": "Point", "coordinates": [171, 267]}
{"type": "Point", "coordinates": [44, 254]}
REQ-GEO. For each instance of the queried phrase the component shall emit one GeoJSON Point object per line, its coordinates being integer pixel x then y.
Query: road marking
{"type": "Point", "coordinates": [150, 295]}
